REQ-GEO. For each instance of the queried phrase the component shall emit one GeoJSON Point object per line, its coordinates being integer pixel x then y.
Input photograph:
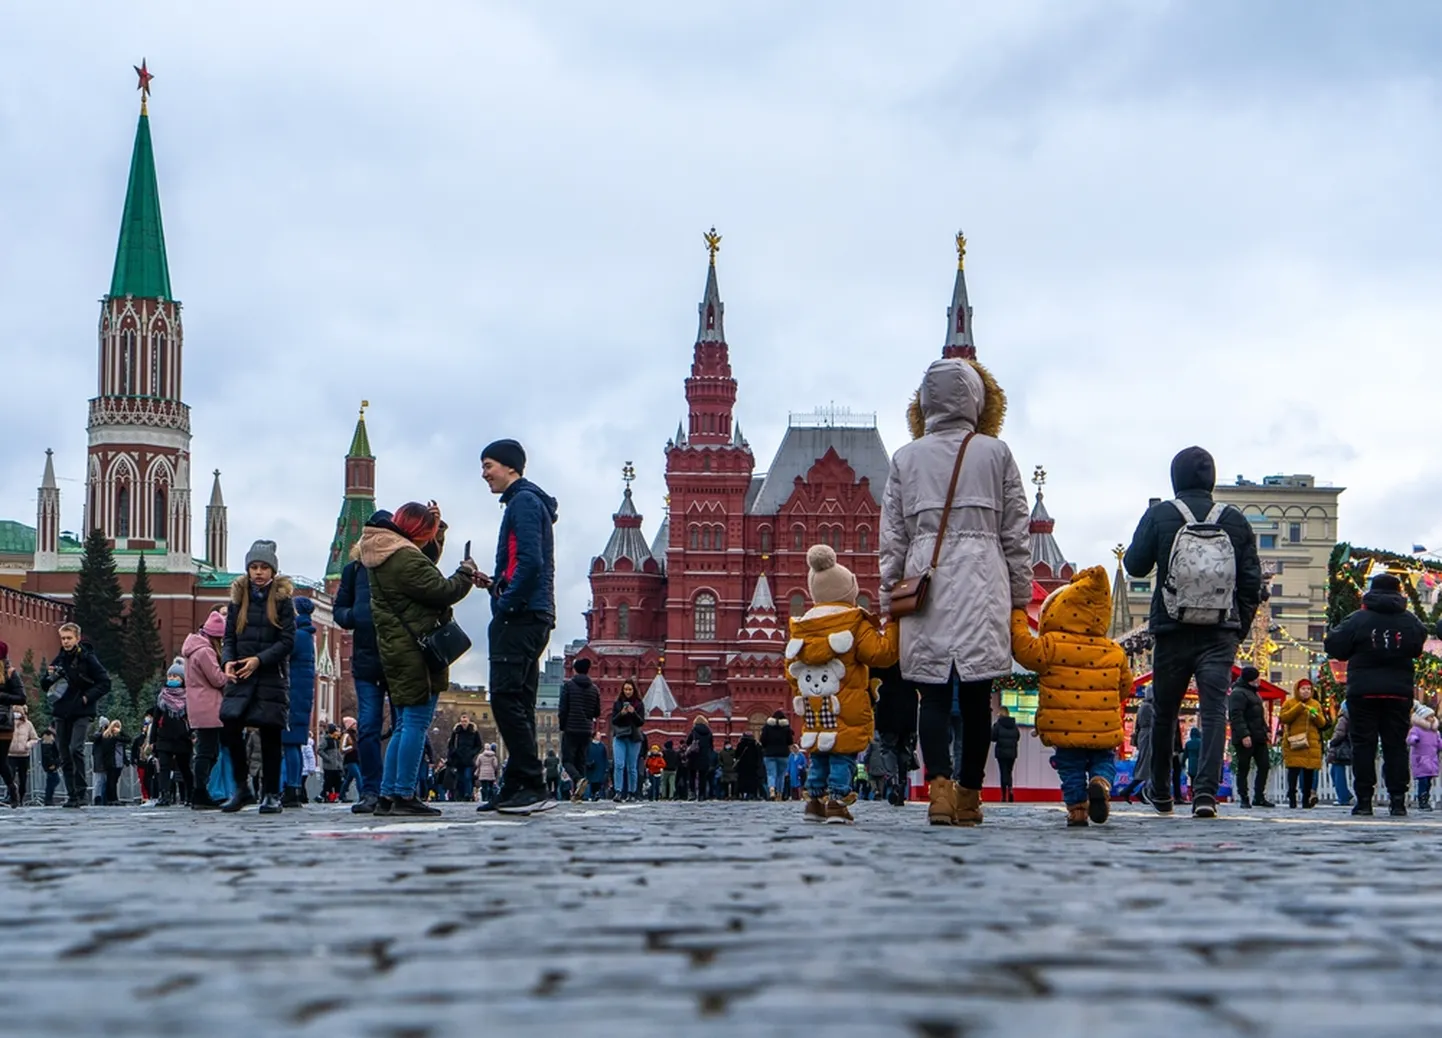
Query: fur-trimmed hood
{"type": "Point", "coordinates": [378, 544]}
{"type": "Point", "coordinates": [957, 392]}
{"type": "Point", "coordinates": [280, 587]}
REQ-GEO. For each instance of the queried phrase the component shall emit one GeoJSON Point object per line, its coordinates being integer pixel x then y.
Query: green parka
{"type": "Point", "coordinates": [405, 585]}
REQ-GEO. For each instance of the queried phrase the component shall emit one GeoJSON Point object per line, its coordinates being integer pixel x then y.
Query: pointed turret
{"type": "Point", "coordinates": [711, 309]}
{"type": "Point", "coordinates": [627, 541]}
{"type": "Point", "coordinates": [141, 269]}
{"type": "Point", "coordinates": [47, 518]}
{"type": "Point", "coordinates": [1121, 610]}
{"type": "Point", "coordinates": [360, 498]}
{"type": "Point", "coordinates": [958, 315]}
{"type": "Point", "coordinates": [761, 600]}
{"type": "Point", "coordinates": [761, 622]}
{"type": "Point", "coordinates": [217, 535]}
{"type": "Point", "coordinates": [661, 543]}
{"type": "Point", "coordinates": [710, 391]}
{"type": "Point", "coordinates": [1049, 566]}
{"type": "Point", "coordinates": [659, 698]}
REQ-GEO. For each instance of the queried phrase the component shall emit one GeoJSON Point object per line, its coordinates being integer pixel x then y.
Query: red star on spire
{"type": "Point", "coordinates": [145, 77]}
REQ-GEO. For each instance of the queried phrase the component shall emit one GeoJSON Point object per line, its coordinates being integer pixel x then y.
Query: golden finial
{"type": "Point", "coordinates": [628, 473]}
{"type": "Point", "coordinates": [1038, 477]}
{"type": "Point", "coordinates": [666, 502]}
{"type": "Point", "coordinates": [713, 244]}
{"type": "Point", "coordinates": [960, 251]}
{"type": "Point", "coordinates": [1120, 552]}
{"type": "Point", "coordinates": [364, 405]}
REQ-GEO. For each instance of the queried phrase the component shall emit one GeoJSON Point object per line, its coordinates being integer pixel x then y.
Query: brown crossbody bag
{"type": "Point", "coordinates": [908, 596]}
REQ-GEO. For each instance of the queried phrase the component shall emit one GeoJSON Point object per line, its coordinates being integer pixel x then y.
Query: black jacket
{"type": "Point", "coordinates": [579, 707]}
{"type": "Point", "coordinates": [170, 733]}
{"type": "Point", "coordinates": [776, 738]}
{"type": "Point", "coordinates": [1379, 643]}
{"type": "Point", "coordinates": [1193, 478]}
{"type": "Point", "coordinates": [1248, 715]}
{"type": "Point", "coordinates": [1007, 736]}
{"type": "Point", "coordinates": [49, 756]}
{"type": "Point", "coordinates": [700, 748]}
{"type": "Point", "coordinates": [896, 702]}
{"type": "Point", "coordinates": [672, 756]}
{"type": "Point", "coordinates": [263, 699]}
{"type": "Point", "coordinates": [86, 680]}
{"type": "Point", "coordinates": [352, 612]}
{"type": "Point", "coordinates": [627, 726]}
{"type": "Point", "coordinates": [750, 772]}
{"type": "Point", "coordinates": [12, 694]}
{"type": "Point", "coordinates": [1339, 747]}
{"type": "Point", "coordinates": [465, 746]}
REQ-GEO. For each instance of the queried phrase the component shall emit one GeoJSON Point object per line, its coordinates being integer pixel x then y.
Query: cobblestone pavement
{"type": "Point", "coordinates": [734, 919]}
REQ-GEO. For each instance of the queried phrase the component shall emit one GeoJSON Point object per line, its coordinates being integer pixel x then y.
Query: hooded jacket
{"type": "Point", "coordinates": [263, 627]}
{"type": "Point", "coordinates": [1248, 715]}
{"type": "Point", "coordinates": [984, 570]}
{"type": "Point", "coordinates": [1301, 719]}
{"type": "Point", "coordinates": [302, 675]}
{"type": "Point", "coordinates": [525, 574]}
{"type": "Point", "coordinates": [1142, 739]}
{"type": "Point", "coordinates": [1339, 747]}
{"type": "Point", "coordinates": [204, 682]}
{"type": "Point", "coordinates": [1007, 737]}
{"type": "Point", "coordinates": [1379, 644]}
{"type": "Point", "coordinates": [579, 707]}
{"type": "Point", "coordinates": [12, 694]}
{"type": "Point", "coordinates": [407, 590]}
{"type": "Point", "coordinates": [1425, 745]}
{"type": "Point", "coordinates": [776, 737]}
{"type": "Point", "coordinates": [832, 648]}
{"type": "Point", "coordinates": [465, 745]}
{"type": "Point", "coordinates": [1084, 676]}
{"type": "Point", "coordinates": [488, 766]}
{"type": "Point", "coordinates": [1194, 477]}
{"type": "Point", "coordinates": [352, 611]}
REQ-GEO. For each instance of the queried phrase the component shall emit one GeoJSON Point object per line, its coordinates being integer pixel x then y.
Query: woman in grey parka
{"type": "Point", "coordinates": [960, 641]}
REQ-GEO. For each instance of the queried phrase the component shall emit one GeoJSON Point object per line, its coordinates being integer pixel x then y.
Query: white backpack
{"type": "Point", "coordinates": [1201, 580]}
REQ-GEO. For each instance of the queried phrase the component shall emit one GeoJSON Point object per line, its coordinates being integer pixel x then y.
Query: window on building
{"type": "Point", "coordinates": [798, 537]}
{"type": "Point", "coordinates": [122, 512]}
{"type": "Point", "coordinates": [1278, 566]}
{"type": "Point", "coordinates": [706, 463]}
{"type": "Point", "coordinates": [765, 540]}
{"type": "Point", "coordinates": [623, 621]}
{"type": "Point", "coordinates": [1277, 591]}
{"type": "Point", "coordinates": [1294, 532]}
{"type": "Point", "coordinates": [695, 537]}
{"type": "Point", "coordinates": [1141, 587]}
{"type": "Point", "coordinates": [705, 617]}
{"type": "Point", "coordinates": [127, 362]}
{"type": "Point", "coordinates": [1316, 632]}
{"type": "Point", "coordinates": [863, 538]}
{"type": "Point", "coordinates": [863, 601]}
{"type": "Point", "coordinates": [718, 538]}
{"type": "Point", "coordinates": [1275, 677]}
{"type": "Point", "coordinates": [703, 675]}
{"type": "Point", "coordinates": [157, 526]}
{"type": "Point", "coordinates": [797, 605]}
{"type": "Point", "coordinates": [1267, 541]}
{"type": "Point", "coordinates": [705, 538]}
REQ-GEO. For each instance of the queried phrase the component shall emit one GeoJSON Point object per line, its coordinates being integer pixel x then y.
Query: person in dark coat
{"type": "Point", "coordinates": [1339, 756]}
{"type": "Point", "coordinates": [1141, 748]}
{"type": "Point", "coordinates": [750, 773]}
{"type": "Point", "coordinates": [302, 700]}
{"type": "Point", "coordinates": [576, 714]}
{"type": "Point", "coordinates": [700, 756]}
{"type": "Point", "coordinates": [170, 739]}
{"type": "Point", "coordinates": [1249, 738]}
{"type": "Point", "coordinates": [1187, 650]}
{"type": "Point", "coordinates": [776, 740]}
{"type": "Point", "coordinates": [627, 737]}
{"type": "Point", "coordinates": [410, 597]}
{"type": "Point", "coordinates": [50, 764]}
{"type": "Point", "coordinates": [597, 766]}
{"type": "Point", "coordinates": [352, 612]}
{"type": "Point", "coordinates": [672, 760]}
{"type": "Point", "coordinates": [1192, 754]}
{"type": "Point", "coordinates": [897, 701]}
{"type": "Point", "coordinates": [464, 747]}
{"type": "Point", "coordinates": [1380, 644]}
{"type": "Point", "coordinates": [1007, 737]}
{"type": "Point", "coordinates": [259, 634]}
{"type": "Point", "coordinates": [12, 694]}
{"type": "Point", "coordinates": [72, 706]}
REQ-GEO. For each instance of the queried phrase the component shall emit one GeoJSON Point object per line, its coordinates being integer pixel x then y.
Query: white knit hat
{"type": "Point", "coordinates": [829, 581]}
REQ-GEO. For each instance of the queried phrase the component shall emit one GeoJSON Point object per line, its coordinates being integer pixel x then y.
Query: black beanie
{"type": "Point", "coordinates": [1250, 675]}
{"type": "Point", "coordinates": [509, 453]}
{"type": "Point", "coordinates": [1387, 582]}
{"type": "Point", "coordinates": [582, 666]}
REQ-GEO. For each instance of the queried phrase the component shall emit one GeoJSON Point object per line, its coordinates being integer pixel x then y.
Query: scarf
{"type": "Point", "coordinates": [172, 700]}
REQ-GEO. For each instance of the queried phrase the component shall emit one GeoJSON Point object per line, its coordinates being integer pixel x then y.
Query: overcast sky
{"type": "Point", "coordinates": [1189, 222]}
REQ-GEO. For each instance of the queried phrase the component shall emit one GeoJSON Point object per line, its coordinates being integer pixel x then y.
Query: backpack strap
{"type": "Point", "coordinates": [1187, 517]}
{"type": "Point", "coordinates": [1215, 515]}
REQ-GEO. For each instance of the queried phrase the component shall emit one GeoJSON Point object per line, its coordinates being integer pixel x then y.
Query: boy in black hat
{"type": "Point", "coordinates": [1379, 643]}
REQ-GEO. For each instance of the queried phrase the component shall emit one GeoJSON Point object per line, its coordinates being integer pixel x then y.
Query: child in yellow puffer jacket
{"type": "Point", "coordinates": [1085, 680]}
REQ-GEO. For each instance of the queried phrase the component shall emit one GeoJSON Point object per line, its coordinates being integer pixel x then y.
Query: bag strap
{"type": "Point", "coordinates": [1187, 517]}
{"type": "Point", "coordinates": [950, 493]}
{"type": "Point", "coordinates": [1215, 515]}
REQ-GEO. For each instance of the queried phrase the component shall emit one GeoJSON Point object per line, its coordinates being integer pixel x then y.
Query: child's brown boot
{"type": "Point", "coordinates": [968, 807]}
{"type": "Point", "coordinates": [815, 809]}
{"type": "Point", "coordinates": [943, 802]}
{"type": "Point", "coordinates": [1076, 816]}
{"type": "Point", "coordinates": [1099, 797]}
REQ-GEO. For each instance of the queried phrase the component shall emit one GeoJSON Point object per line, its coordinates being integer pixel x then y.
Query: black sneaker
{"type": "Point", "coordinates": [73, 803]}
{"type": "Point", "coordinates": [412, 807]}
{"type": "Point", "coordinates": [525, 802]}
{"type": "Point", "coordinates": [384, 805]}
{"type": "Point", "coordinates": [1204, 806]}
{"type": "Point", "coordinates": [1162, 807]}
{"type": "Point", "coordinates": [1398, 807]}
{"type": "Point", "coordinates": [1363, 807]}
{"type": "Point", "coordinates": [492, 805]}
{"type": "Point", "coordinates": [366, 805]}
{"type": "Point", "coordinates": [1262, 801]}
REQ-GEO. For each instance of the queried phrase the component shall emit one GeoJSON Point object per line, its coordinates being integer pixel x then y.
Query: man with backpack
{"type": "Point", "coordinates": [1208, 586]}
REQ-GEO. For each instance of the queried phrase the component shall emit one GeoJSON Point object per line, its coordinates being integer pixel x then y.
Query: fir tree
{"type": "Point", "coordinates": [97, 601]}
{"type": "Point", "coordinates": [37, 700]}
{"type": "Point", "coordinates": [144, 656]}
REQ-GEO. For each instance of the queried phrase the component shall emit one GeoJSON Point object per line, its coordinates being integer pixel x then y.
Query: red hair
{"type": "Point", "coordinates": [416, 521]}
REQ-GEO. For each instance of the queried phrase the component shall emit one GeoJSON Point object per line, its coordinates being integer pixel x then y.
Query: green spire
{"type": "Point", "coordinates": [360, 444]}
{"type": "Point", "coordinates": [140, 267]}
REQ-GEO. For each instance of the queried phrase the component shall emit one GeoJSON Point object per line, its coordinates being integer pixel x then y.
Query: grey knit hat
{"type": "Point", "coordinates": [263, 551]}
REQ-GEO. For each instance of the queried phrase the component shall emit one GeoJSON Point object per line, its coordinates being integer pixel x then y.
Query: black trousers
{"type": "Point", "coordinates": [70, 737]}
{"type": "Point", "coordinates": [233, 738]}
{"type": "Point", "coordinates": [12, 791]}
{"type": "Point", "coordinates": [1243, 760]}
{"type": "Point", "coordinates": [574, 749]}
{"type": "Point", "coordinates": [1387, 719]}
{"type": "Point", "coordinates": [207, 752]}
{"type": "Point", "coordinates": [935, 729]}
{"type": "Point", "coordinates": [174, 772]}
{"type": "Point", "coordinates": [1309, 782]}
{"type": "Point", "coordinates": [20, 773]}
{"type": "Point", "coordinates": [516, 644]}
{"type": "Point", "coordinates": [1005, 768]}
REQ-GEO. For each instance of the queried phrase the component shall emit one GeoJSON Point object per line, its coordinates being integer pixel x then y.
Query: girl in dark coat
{"type": "Point", "coordinates": [700, 749]}
{"type": "Point", "coordinates": [170, 739]}
{"type": "Point", "coordinates": [259, 633]}
{"type": "Point", "coordinates": [627, 717]}
{"type": "Point", "coordinates": [12, 694]}
{"type": "Point", "coordinates": [302, 698]}
{"type": "Point", "coordinates": [749, 772]}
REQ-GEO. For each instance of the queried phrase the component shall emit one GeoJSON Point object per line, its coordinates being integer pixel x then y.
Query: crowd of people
{"type": "Point", "coordinates": [876, 696]}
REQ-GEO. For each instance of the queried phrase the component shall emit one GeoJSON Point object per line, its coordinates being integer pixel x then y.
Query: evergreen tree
{"type": "Point", "coordinates": [144, 656]}
{"type": "Point", "coordinates": [97, 601]}
{"type": "Point", "coordinates": [37, 700]}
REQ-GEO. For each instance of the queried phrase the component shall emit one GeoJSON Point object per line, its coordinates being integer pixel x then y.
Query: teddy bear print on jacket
{"type": "Point", "coordinates": [832, 648]}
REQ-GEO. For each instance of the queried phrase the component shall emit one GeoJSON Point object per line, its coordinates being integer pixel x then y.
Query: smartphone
{"type": "Point", "coordinates": [467, 554]}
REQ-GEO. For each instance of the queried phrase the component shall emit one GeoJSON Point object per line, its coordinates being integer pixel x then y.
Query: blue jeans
{"type": "Point", "coordinates": [1339, 783]}
{"type": "Point", "coordinates": [1424, 786]}
{"type": "Point", "coordinates": [775, 773]}
{"type": "Point", "coordinates": [833, 773]}
{"type": "Point", "coordinates": [1076, 768]}
{"type": "Point", "coordinates": [465, 783]}
{"type": "Point", "coordinates": [290, 767]}
{"type": "Point", "coordinates": [626, 754]}
{"type": "Point", "coordinates": [403, 754]}
{"type": "Point", "coordinates": [352, 776]}
{"type": "Point", "coordinates": [370, 711]}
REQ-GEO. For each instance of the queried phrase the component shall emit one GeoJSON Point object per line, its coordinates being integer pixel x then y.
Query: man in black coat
{"type": "Point", "coordinates": [1007, 737]}
{"type": "Point", "coordinates": [86, 683]}
{"type": "Point", "coordinates": [1380, 644]}
{"type": "Point", "coordinates": [1184, 649]}
{"type": "Point", "coordinates": [461, 753]}
{"type": "Point", "coordinates": [1249, 737]}
{"type": "Point", "coordinates": [576, 715]}
{"type": "Point", "coordinates": [776, 740]}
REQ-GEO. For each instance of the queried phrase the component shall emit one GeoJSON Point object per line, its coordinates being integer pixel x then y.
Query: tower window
{"type": "Point", "coordinates": [706, 463]}
{"type": "Point", "coordinates": [703, 675]}
{"type": "Point", "coordinates": [1294, 532]}
{"type": "Point", "coordinates": [695, 537]}
{"type": "Point", "coordinates": [705, 617]}
{"type": "Point", "coordinates": [797, 605]}
{"type": "Point", "coordinates": [705, 538]}
{"type": "Point", "coordinates": [158, 525]}
{"type": "Point", "coordinates": [157, 364]}
{"type": "Point", "coordinates": [623, 621]}
{"type": "Point", "coordinates": [766, 539]}
{"type": "Point", "coordinates": [127, 362]}
{"type": "Point", "coordinates": [798, 537]}
{"type": "Point", "coordinates": [863, 538]}
{"type": "Point", "coordinates": [719, 538]}
{"type": "Point", "coordinates": [122, 512]}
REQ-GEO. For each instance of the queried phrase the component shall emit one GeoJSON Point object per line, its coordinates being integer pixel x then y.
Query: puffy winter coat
{"type": "Point", "coordinates": [488, 766]}
{"type": "Point", "coordinates": [23, 738]}
{"type": "Point", "coordinates": [1007, 737]}
{"type": "Point", "coordinates": [87, 683]}
{"type": "Point", "coordinates": [579, 706]}
{"type": "Point", "coordinates": [302, 675]}
{"type": "Point", "coordinates": [525, 574]}
{"type": "Point", "coordinates": [776, 737]}
{"type": "Point", "coordinates": [204, 682]}
{"type": "Point", "coordinates": [1194, 477]}
{"type": "Point", "coordinates": [264, 627]}
{"type": "Point", "coordinates": [1248, 715]}
{"type": "Point", "coordinates": [1425, 745]}
{"type": "Point", "coordinates": [1379, 643]}
{"type": "Point", "coordinates": [12, 694]}
{"type": "Point", "coordinates": [1298, 719]}
{"type": "Point", "coordinates": [896, 702]}
{"type": "Point", "coordinates": [1339, 748]}
{"type": "Point", "coordinates": [832, 648]}
{"type": "Point", "coordinates": [1083, 674]}
{"type": "Point", "coordinates": [170, 733]}
{"type": "Point", "coordinates": [465, 746]}
{"type": "Point", "coordinates": [985, 566]}
{"type": "Point", "coordinates": [408, 589]}
{"type": "Point", "coordinates": [352, 611]}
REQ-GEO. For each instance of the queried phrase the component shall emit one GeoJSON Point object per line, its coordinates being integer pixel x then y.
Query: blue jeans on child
{"type": "Point", "coordinates": [775, 773]}
{"type": "Point", "coordinates": [403, 753]}
{"type": "Point", "coordinates": [833, 773]}
{"type": "Point", "coordinates": [1076, 768]}
{"type": "Point", "coordinates": [1424, 787]}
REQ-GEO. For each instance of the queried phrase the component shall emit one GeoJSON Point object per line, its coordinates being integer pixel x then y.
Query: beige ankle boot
{"type": "Point", "coordinates": [943, 802]}
{"type": "Point", "coordinates": [968, 807]}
